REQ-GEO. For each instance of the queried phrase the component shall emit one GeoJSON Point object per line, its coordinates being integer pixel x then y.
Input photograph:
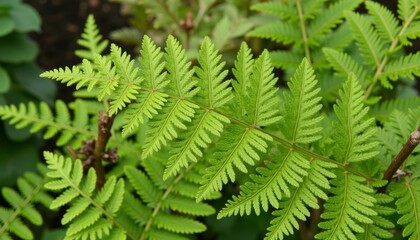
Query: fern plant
{"type": "Point", "coordinates": [170, 135]}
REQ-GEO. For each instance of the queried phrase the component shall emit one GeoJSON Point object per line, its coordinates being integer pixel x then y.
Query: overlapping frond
{"type": "Point", "coordinates": [159, 198]}
{"type": "Point", "coordinates": [92, 214]}
{"type": "Point", "coordinates": [295, 208]}
{"type": "Point", "coordinates": [91, 40]}
{"type": "Point", "coordinates": [383, 110]}
{"type": "Point", "coordinates": [214, 89]}
{"type": "Point", "coordinates": [368, 40]}
{"type": "Point", "coordinates": [381, 225]}
{"type": "Point", "coordinates": [344, 64]}
{"type": "Point", "coordinates": [352, 204]}
{"type": "Point", "coordinates": [406, 66]}
{"type": "Point", "coordinates": [354, 134]}
{"type": "Point", "coordinates": [349, 209]}
{"type": "Point", "coordinates": [327, 19]}
{"type": "Point", "coordinates": [407, 195]}
{"type": "Point", "coordinates": [384, 21]}
{"type": "Point", "coordinates": [69, 130]}
{"type": "Point", "coordinates": [300, 125]}
{"type": "Point", "coordinates": [150, 102]}
{"type": "Point", "coordinates": [31, 191]}
{"type": "Point", "coordinates": [281, 32]}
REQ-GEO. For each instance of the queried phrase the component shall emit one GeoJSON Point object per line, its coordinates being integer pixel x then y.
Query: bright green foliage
{"type": "Point", "coordinates": [69, 131]}
{"type": "Point", "coordinates": [91, 40]}
{"type": "Point", "coordinates": [92, 214]}
{"type": "Point", "coordinates": [295, 207]}
{"type": "Point", "coordinates": [288, 168]}
{"type": "Point", "coordinates": [353, 201]}
{"type": "Point", "coordinates": [408, 206]}
{"type": "Point", "coordinates": [31, 191]}
{"type": "Point", "coordinates": [157, 198]}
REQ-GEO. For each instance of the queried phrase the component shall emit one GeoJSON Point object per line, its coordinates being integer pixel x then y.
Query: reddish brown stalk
{"type": "Point", "coordinates": [408, 148]}
{"type": "Point", "coordinates": [104, 133]}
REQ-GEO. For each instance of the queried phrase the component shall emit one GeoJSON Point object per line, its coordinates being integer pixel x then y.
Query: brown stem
{"type": "Point", "coordinates": [409, 146]}
{"type": "Point", "coordinates": [104, 133]}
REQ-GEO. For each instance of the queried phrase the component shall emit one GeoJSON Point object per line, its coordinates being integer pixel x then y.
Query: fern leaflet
{"type": "Point", "coordinates": [91, 40]}
{"type": "Point", "coordinates": [92, 214]}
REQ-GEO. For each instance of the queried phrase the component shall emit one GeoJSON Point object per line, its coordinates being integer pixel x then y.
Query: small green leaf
{"type": "Point", "coordinates": [4, 80]}
{"type": "Point", "coordinates": [25, 18]}
{"type": "Point", "coordinates": [6, 24]}
{"type": "Point", "coordinates": [17, 48]}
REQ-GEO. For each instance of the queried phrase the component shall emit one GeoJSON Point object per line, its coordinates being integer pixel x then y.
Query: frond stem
{"type": "Point", "coordinates": [394, 44]}
{"type": "Point", "coordinates": [156, 210]}
{"type": "Point", "coordinates": [303, 30]}
{"type": "Point", "coordinates": [104, 133]}
{"type": "Point", "coordinates": [407, 149]}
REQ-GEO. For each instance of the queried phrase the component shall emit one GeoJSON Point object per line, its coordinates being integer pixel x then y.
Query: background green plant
{"type": "Point", "coordinates": [19, 82]}
{"type": "Point", "coordinates": [182, 134]}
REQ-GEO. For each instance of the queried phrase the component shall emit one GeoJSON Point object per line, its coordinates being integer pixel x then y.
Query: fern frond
{"type": "Point", "coordinates": [163, 127]}
{"type": "Point", "coordinates": [300, 123]}
{"type": "Point", "coordinates": [237, 146]}
{"type": "Point", "coordinates": [262, 96]}
{"type": "Point", "coordinates": [380, 227]}
{"type": "Point", "coordinates": [31, 191]}
{"type": "Point", "coordinates": [354, 134]}
{"type": "Point", "coordinates": [91, 40]}
{"type": "Point", "coordinates": [242, 72]}
{"type": "Point", "coordinates": [411, 32]}
{"type": "Point", "coordinates": [384, 21]}
{"type": "Point", "coordinates": [344, 64]}
{"type": "Point", "coordinates": [285, 59]}
{"type": "Point", "coordinates": [296, 206]}
{"type": "Point", "coordinates": [41, 117]}
{"type": "Point", "coordinates": [367, 39]}
{"type": "Point", "coordinates": [383, 110]}
{"type": "Point", "coordinates": [406, 66]}
{"type": "Point", "coordinates": [405, 8]}
{"type": "Point", "coordinates": [92, 214]}
{"type": "Point", "coordinates": [407, 197]}
{"type": "Point", "coordinates": [214, 89]}
{"type": "Point", "coordinates": [163, 198]}
{"type": "Point", "coordinates": [349, 208]}
{"type": "Point", "coordinates": [281, 32]}
{"type": "Point", "coordinates": [149, 102]}
{"type": "Point", "coordinates": [283, 10]}
{"type": "Point", "coordinates": [327, 19]}
{"type": "Point", "coordinates": [188, 148]}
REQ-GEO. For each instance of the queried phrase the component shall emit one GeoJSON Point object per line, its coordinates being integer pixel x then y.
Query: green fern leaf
{"type": "Point", "coordinates": [367, 39]}
{"type": "Point", "coordinates": [280, 9]}
{"type": "Point", "coordinates": [238, 146]}
{"type": "Point", "coordinates": [156, 234]}
{"type": "Point", "coordinates": [214, 91]}
{"type": "Point", "coordinates": [384, 21]}
{"type": "Point", "coordinates": [69, 130]}
{"type": "Point", "coordinates": [299, 123]}
{"type": "Point", "coordinates": [344, 64]}
{"type": "Point", "coordinates": [354, 134]}
{"type": "Point", "coordinates": [405, 9]}
{"type": "Point", "coordinates": [383, 110]}
{"type": "Point", "coordinates": [188, 149]}
{"type": "Point", "coordinates": [411, 32]}
{"type": "Point", "coordinates": [143, 186]}
{"type": "Point", "coordinates": [91, 40]}
{"type": "Point", "coordinates": [31, 190]}
{"type": "Point", "coordinates": [301, 126]}
{"type": "Point", "coordinates": [349, 208]}
{"type": "Point", "coordinates": [151, 101]}
{"type": "Point", "coordinates": [406, 66]}
{"type": "Point", "coordinates": [178, 224]}
{"type": "Point", "coordinates": [302, 197]}
{"type": "Point", "coordinates": [91, 213]}
{"type": "Point", "coordinates": [380, 227]}
{"type": "Point", "coordinates": [280, 32]}
{"type": "Point", "coordinates": [407, 197]}
{"type": "Point", "coordinates": [327, 19]}
{"type": "Point", "coordinates": [285, 59]}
